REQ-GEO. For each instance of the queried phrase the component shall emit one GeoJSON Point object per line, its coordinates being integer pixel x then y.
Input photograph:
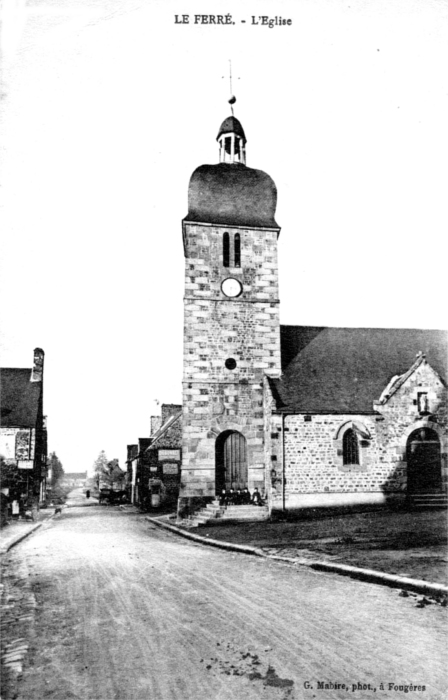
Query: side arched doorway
{"type": "Point", "coordinates": [230, 461]}
{"type": "Point", "coordinates": [424, 461]}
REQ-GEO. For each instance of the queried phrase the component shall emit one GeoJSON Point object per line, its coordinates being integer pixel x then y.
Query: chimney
{"type": "Point", "coordinates": [156, 422]}
{"type": "Point", "coordinates": [169, 409]}
{"type": "Point", "coordinates": [132, 451]}
{"type": "Point", "coordinates": [143, 444]}
{"type": "Point", "coordinates": [37, 373]}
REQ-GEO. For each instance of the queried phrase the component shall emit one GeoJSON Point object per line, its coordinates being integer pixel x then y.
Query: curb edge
{"type": "Point", "coordinates": [19, 538]}
{"type": "Point", "coordinates": [369, 575]}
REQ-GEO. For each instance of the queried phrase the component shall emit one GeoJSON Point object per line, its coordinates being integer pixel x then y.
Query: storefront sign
{"type": "Point", "coordinates": [170, 468]}
{"type": "Point", "coordinates": [169, 454]}
{"type": "Point", "coordinates": [25, 464]}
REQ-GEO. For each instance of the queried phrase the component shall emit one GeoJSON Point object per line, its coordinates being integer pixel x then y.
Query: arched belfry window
{"type": "Point", "coordinates": [237, 244]}
{"type": "Point", "coordinates": [350, 447]}
{"type": "Point", "coordinates": [226, 250]}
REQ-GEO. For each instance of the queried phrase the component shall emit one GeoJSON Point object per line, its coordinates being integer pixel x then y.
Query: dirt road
{"type": "Point", "coordinates": [126, 611]}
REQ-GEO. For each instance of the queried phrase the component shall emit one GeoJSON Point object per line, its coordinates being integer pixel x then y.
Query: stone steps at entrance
{"type": "Point", "coordinates": [244, 511]}
{"type": "Point", "coordinates": [213, 511]}
{"type": "Point", "coordinates": [213, 507]}
{"type": "Point", "coordinates": [429, 500]}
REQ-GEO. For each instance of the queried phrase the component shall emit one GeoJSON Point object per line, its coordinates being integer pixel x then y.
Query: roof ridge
{"type": "Point", "coordinates": [163, 429]}
{"type": "Point", "coordinates": [402, 378]}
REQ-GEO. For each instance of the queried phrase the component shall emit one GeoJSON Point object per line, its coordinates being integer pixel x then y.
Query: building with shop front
{"type": "Point", "coordinates": [154, 463]}
{"type": "Point", "coordinates": [23, 433]}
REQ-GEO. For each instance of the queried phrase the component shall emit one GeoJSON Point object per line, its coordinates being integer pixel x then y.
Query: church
{"type": "Point", "coordinates": [312, 417]}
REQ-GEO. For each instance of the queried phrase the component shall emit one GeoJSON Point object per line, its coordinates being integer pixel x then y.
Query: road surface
{"type": "Point", "coordinates": [126, 611]}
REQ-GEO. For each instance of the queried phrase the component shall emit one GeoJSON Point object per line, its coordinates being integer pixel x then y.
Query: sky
{"type": "Point", "coordinates": [109, 106]}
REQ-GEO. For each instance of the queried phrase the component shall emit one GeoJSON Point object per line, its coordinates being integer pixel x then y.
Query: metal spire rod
{"type": "Point", "coordinates": [232, 98]}
{"type": "Point", "coordinates": [230, 77]}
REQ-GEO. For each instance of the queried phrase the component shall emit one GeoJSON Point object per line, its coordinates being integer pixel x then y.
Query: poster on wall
{"type": "Point", "coordinates": [25, 463]}
{"type": "Point", "coordinates": [8, 443]}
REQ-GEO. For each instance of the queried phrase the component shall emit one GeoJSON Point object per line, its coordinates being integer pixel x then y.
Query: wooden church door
{"type": "Point", "coordinates": [230, 461]}
{"type": "Point", "coordinates": [424, 461]}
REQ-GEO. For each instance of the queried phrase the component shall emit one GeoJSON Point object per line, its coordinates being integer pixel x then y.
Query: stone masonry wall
{"type": "Point", "coordinates": [273, 449]}
{"type": "Point", "coordinates": [315, 474]}
{"type": "Point", "coordinates": [217, 328]}
{"type": "Point", "coordinates": [313, 456]}
{"type": "Point", "coordinates": [223, 407]}
{"type": "Point", "coordinates": [401, 416]}
{"type": "Point", "coordinates": [168, 410]}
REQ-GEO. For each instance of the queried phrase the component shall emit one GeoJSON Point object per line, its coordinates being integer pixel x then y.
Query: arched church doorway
{"type": "Point", "coordinates": [424, 461]}
{"type": "Point", "coordinates": [230, 461]}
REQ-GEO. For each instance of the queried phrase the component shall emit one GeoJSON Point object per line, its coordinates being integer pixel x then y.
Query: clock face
{"type": "Point", "coordinates": [231, 287]}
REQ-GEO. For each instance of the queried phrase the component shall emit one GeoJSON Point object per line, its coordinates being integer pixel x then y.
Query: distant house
{"type": "Point", "coordinates": [75, 478]}
{"type": "Point", "coordinates": [23, 433]}
{"type": "Point", "coordinates": [131, 476]}
{"type": "Point", "coordinates": [142, 473]}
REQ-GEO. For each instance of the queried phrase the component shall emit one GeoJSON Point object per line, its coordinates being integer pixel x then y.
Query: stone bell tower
{"type": "Point", "coordinates": [231, 322]}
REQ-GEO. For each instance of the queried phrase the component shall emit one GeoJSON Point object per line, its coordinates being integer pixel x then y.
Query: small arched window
{"type": "Point", "coordinates": [350, 448]}
{"type": "Point", "coordinates": [226, 250]}
{"type": "Point", "coordinates": [237, 250]}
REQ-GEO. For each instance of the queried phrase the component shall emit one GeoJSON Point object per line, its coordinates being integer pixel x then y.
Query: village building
{"type": "Point", "coordinates": [312, 417]}
{"type": "Point", "coordinates": [165, 457]}
{"type": "Point", "coordinates": [23, 434]}
{"type": "Point", "coordinates": [154, 465]}
{"type": "Point", "coordinates": [74, 479]}
{"type": "Point", "coordinates": [131, 472]}
{"type": "Point", "coordinates": [142, 493]}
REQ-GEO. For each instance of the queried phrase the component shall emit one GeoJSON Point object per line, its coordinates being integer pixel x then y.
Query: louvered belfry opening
{"type": "Point", "coordinates": [226, 249]}
{"type": "Point", "coordinates": [231, 461]}
{"type": "Point", "coordinates": [237, 246]}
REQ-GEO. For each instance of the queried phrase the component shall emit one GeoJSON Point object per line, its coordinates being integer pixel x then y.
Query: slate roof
{"type": "Point", "coordinates": [19, 398]}
{"type": "Point", "coordinates": [232, 125]}
{"type": "Point", "coordinates": [232, 194]}
{"type": "Point", "coordinates": [343, 370]}
{"type": "Point", "coordinates": [163, 430]}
